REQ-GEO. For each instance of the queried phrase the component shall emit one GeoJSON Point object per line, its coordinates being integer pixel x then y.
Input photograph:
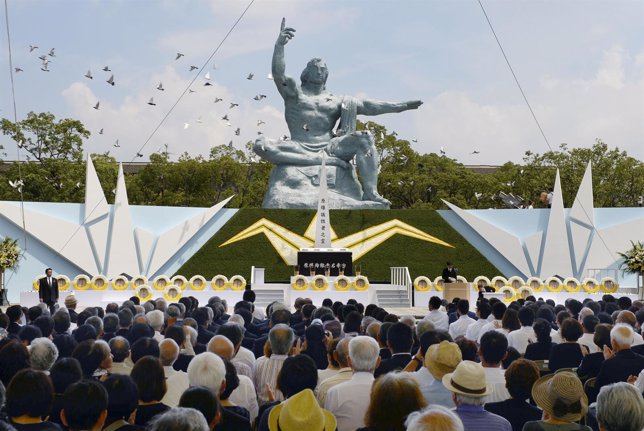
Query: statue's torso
{"type": "Point", "coordinates": [317, 113]}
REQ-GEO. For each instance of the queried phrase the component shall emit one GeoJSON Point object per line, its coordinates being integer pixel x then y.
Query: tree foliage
{"type": "Point", "coordinates": [409, 179]}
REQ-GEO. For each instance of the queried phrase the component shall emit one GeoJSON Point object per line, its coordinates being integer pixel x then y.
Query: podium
{"type": "Point", "coordinates": [456, 290]}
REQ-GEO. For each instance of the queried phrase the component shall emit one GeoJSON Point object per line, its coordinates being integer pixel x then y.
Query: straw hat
{"type": "Point", "coordinates": [301, 412]}
{"type": "Point", "coordinates": [70, 301]}
{"type": "Point", "coordinates": [442, 358]}
{"type": "Point", "coordinates": [556, 391]}
{"type": "Point", "coordinates": [468, 379]}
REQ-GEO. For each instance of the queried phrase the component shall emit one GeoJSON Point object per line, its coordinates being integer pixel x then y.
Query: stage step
{"type": "Point", "coordinates": [264, 297]}
{"type": "Point", "coordinates": [392, 298]}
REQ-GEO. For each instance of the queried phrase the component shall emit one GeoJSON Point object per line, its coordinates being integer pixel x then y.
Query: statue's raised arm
{"type": "Point", "coordinates": [286, 85]}
{"type": "Point", "coordinates": [375, 107]}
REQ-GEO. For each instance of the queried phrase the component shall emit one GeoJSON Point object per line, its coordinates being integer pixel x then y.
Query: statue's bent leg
{"type": "Point", "coordinates": [282, 152]}
{"type": "Point", "coordinates": [363, 146]}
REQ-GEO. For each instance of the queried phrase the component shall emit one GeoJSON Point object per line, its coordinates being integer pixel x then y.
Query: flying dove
{"type": "Point", "coordinates": [179, 55]}
{"type": "Point", "coordinates": [260, 122]}
{"type": "Point", "coordinates": [139, 154]}
{"type": "Point", "coordinates": [232, 105]}
{"type": "Point", "coordinates": [51, 52]}
{"type": "Point", "coordinates": [151, 102]}
{"type": "Point", "coordinates": [116, 144]}
{"type": "Point", "coordinates": [107, 69]}
{"type": "Point", "coordinates": [250, 76]}
{"type": "Point", "coordinates": [111, 80]}
{"type": "Point", "coordinates": [270, 76]}
{"type": "Point", "coordinates": [89, 75]}
{"type": "Point", "coordinates": [160, 86]}
{"type": "Point", "coordinates": [186, 125]}
{"type": "Point", "coordinates": [225, 117]}
{"type": "Point", "coordinates": [207, 76]}
{"type": "Point", "coordinates": [237, 131]}
{"type": "Point", "coordinates": [100, 132]}
{"type": "Point", "coordinates": [475, 152]}
{"type": "Point", "coordinates": [260, 97]}
{"type": "Point", "coordinates": [218, 99]}
{"type": "Point", "coordinates": [443, 151]}
{"type": "Point", "coordinates": [193, 68]}
{"type": "Point", "coordinates": [17, 69]}
{"type": "Point", "coordinates": [98, 104]}
{"type": "Point", "coordinates": [32, 48]}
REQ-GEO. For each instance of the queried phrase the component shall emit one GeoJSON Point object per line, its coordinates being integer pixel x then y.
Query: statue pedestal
{"type": "Point", "coordinates": [298, 187]}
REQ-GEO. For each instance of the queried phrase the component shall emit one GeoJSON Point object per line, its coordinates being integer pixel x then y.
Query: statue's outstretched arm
{"type": "Point", "coordinates": [285, 84]}
{"type": "Point", "coordinates": [375, 107]}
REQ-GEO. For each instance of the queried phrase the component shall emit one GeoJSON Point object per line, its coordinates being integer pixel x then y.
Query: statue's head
{"type": "Point", "coordinates": [315, 72]}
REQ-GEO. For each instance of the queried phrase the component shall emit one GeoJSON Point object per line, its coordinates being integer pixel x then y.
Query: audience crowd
{"type": "Point", "coordinates": [530, 365]}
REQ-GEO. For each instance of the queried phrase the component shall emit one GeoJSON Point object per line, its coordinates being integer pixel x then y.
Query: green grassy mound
{"type": "Point", "coordinates": [422, 258]}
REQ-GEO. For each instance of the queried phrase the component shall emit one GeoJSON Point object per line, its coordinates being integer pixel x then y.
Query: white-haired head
{"type": "Point", "coordinates": [364, 354]}
{"type": "Point", "coordinates": [155, 319]}
{"type": "Point", "coordinates": [179, 418]}
{"type": "Point", "coordinates": [207, 369]}
{"type": "Point", "coordinates": [43, 353]}
{"type": "Point", "coordinates": [434, 418]}
{"type": "Point", "coordinates": [622, 336]}
{"type": "Point", "coordinates": [620, 407]}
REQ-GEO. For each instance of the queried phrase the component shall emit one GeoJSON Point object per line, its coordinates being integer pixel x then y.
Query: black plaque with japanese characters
{"type": "Point", "coordinates": [322, 261]}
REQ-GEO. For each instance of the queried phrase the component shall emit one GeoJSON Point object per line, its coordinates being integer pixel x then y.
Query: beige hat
{"type": "Point", "coordinates": [442, 358]}
{"type": "Point", "coordinates": [301, 412]}
{"type": "Point", "coordinates": [70, 301]}
{"type": "Point", "coordinates": [467, 379]}
{"type": "Point", "coordinates": [561, 395]}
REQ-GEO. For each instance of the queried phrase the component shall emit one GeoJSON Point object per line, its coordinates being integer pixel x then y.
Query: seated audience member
{"type": "Point", "coordinates": [492, 351]}
{"type": "Point", "coordinates": [151, 386]}
{"type": "Point", "coordinates": [62, 322]}
{"type": "Point", "coordinates": [468, 386]}
{"type": "Point", "coordinates": [510, 321]}
{"type": "Point", "coordinates": [65, 344]}
{"type": "Point", "coordinates": [179, 419]}
{"type": "Point", "coordinates": [341, 356]}
{"type": "Point", "coordinates": [483, 312]}
{"type": "Point", "coordinates": [299, 373]}
{"type": "Point", "coordinates": [333, 367]}
{"type": "Point", "coordinates": [399, 342]}
{"type": "Point", "coordinates": [588, 324]}
{"type": "Point", "coordinates": [203, 400]}
{"type": "Point", "coordinates": [14, 357]}
{"type": "Point", "coordinates": [511, 356]}
{"type": "Point", "coordinates": [232, 383]}
{"type": "Point", "coordinates": [434, 418]}
{"type": "Point", "coordinates": [186, 352]}
{"type": "Point", "coordinates": [243, 359]}
{"type": "Point", "coordinates": [440, 359]}
{"type": "Point", "coordinates": [620, 361]}
{"type": "Point", "coordinates": [459, 327]}
{"type": "Point", "coordinates": [562, 399]}
{"type": "Point", "coordinates": [520, 377]}
{"type": "Point", "coordinates": [521, 338]}
{"type": "Point", "coordinates": [123, 399]}
{"type": "Point", "coordinates": [84, 406]}
{"type": "Point", "coordinates": [384, 352]}
{"type": "Point", "coordinates": [301, 412]}
{"type": "Point", "coordinates": [14, 313]}
{"type": "Point", "coordinates": [498, 310]}
{"type": "Point", "coordinates": [65, 372]}
{"type": "Point", "coordinates": [110, 326]}
{"type": "Point", "coordinates": [84, 332]}
{"type": "Point", "coordinates": [393, 397]}
{"type": "Point", "coordinates": [314, 346]}
{"type": "Point", "coordinates": [540, 350]}
{"type": "Point", "coordinates": [592, 362]}
{"type": "Point", "coordinates": [627, 317]}
{"type": "Point", "coordinates": [144, 346]}
{"type": "Point", "coordinates": [176, 381]}
{"type": "Point", "coordinates": [43, 353]}
{"type": "Point", "coordinates": [281, 339]}
{"type": "Point", "coordinates": [556, 335]}
{"type": "Point", "coordinates": [620, 407]}
{"type": "Point", "coordinates": [439, 318]}
{"type": "Point", "coordinates": [45, 324]}
{"type": "Point", "coordinates": [121, 362]}
{"type": "Point", "coordinates": [568, 353]}
{"type": "Point", "coordinates": [95, 358]}
{"type": "Point", "coordinates": [349, 401]}
{"type": "Point", "coordinates": [469, 349]}
{"type": "Point", "coordinates": [29, 399]}
{"type": "Point", "coordinates": [277, 317]}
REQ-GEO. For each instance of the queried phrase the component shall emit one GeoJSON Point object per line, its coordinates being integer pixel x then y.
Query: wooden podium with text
{"type": "Point", "coordinates": [456, 290]}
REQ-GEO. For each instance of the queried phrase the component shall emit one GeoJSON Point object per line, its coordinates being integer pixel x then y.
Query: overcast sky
{"type": "Point", "coordinates": [581, 65]}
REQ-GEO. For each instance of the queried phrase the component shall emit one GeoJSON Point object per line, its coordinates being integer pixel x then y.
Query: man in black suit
{"type": "Point", "coordinates": [399, 340]}
{"type": "Point", "coordinates": [621, 362]}
{"type": "Point", "coordinates": [48, 290]}
{"type": "Point", "coordinates": [449, 273]}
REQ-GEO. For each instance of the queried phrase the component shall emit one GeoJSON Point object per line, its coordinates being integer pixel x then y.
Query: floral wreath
{"type": "Point", "coordinates": [316, 280]}
{"type": "Point", "coordinates": [422, 284]}
{"type": "Point", "coordinates": [525, 290]}
{"type": "Point", "coordinates": [511, 281]}
{"type": "Point", "coordinates": [219, 282]}
{"type": "Point", "coordinates": [123, 285]}
{"type": "Point", "coordinates": [198, 286]}
{"type": "Point", "coordinates": [587, 282]}
{"type": "Point", "coordinates": [139, 280]}
{"type": "Point", "coordinates": [439, 283]}
{"type": "Point", "coordinates": [480, 278]}
{"type": "Point", "coordinates": [511, 291]}
{"type": "Point", "coordinates": [65, 282]}
{"type": "Point", "coordinates": [100, 282]}
{"type": "Point", "coordinates": [77, 285]}
{"type": "Point", "coordinates": [498, 282]}
{"type": "Point", "coordinates": [300, 282]}
{"type": "Point", "coordinates": [180, 281]}
{"type": "Point", "coordinates": [342, 283]}
{"type": "Point", "coordinates": [237, 282]}
{"type": "Point", "coordinates": [360, 283]}
{"type": "Point", "coordinates": [530, 282]}
{"type": "Point", "coordinates": [559, 285]}
{"type": "Point", "coordinates": [577, 285]}
{"type": "Point", "coordinates": [177, 293]}
{"type": "Point", "coordinates": [141, 292]}
{"type": "Point", "coordinates": [612, 282]}
{"type": "Point", "coordinates": [156, 283]}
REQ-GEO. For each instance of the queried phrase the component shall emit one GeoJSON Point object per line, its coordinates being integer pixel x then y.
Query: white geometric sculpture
{"type": "Point", "coordinates": [105, 239]}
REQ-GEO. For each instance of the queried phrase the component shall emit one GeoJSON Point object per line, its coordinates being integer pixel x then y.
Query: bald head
{"type": "Point", "coordinates": [373, 329]}
{"type": "Point", "coordinates": [222, 347]}
{"type": "Point", "coordinates": [168, 352]}
{"type": "Point", "coordinates": [342, 352]}
{"type": "Point", "coordinates": [627, 317]}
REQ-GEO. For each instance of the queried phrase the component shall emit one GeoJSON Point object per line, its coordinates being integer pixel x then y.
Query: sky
{"type": "Point", "coordinates": [580, 63]}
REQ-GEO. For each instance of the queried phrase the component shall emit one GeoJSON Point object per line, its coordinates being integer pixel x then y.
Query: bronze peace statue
{"type": "Point", "coordinates": [311, 114]}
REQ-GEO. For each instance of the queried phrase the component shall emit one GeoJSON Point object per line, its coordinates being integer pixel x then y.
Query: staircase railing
{"type": "Point", "coordinates": [400, 277]}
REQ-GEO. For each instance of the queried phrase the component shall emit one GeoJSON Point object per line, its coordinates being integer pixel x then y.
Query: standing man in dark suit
{"type": "Point", "coordinates": [449, 273]}
{"type": "Point", "coordinates": [48, 290]}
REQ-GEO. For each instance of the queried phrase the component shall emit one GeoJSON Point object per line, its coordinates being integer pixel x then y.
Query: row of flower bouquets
{"type": "Point", "coordinates": [516, 287]}
{"type": "Point", "coordinates": [171, 288]}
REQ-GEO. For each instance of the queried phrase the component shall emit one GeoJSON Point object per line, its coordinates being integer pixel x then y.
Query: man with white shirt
{"type": "Point", "coordinates": [520, 338]}
{"type": "Point", "coordinates": [459, 327]}
{"type": "Point", "coordinates": [483, 312]}
{"type": "Point", "coordinates": [589, 323]}
{"type": "Point", "coordinates": [349, 401]}
{"type": "Point", "coordinates": [498, 310]}
{"type": "Point", "coordinates": [492, 351]}
{"type": "Point", "coordinates": [341, 356]}
{"type": "Point", "coordinates": [281, 339]}
{"type": "Point", "coordinates": [176, 381]}
{"type": "Point", "coordinates": [120, 349]}
{"type": "Point", "coordinates": [437, 317]}
{"type": "Point", "coordinates": [155, 320]}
